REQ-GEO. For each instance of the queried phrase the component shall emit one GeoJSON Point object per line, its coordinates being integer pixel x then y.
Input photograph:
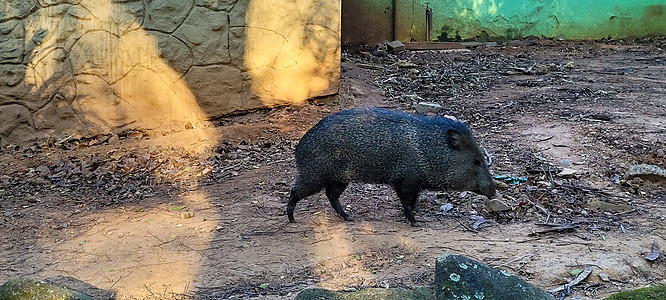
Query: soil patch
{"type": "Point", "coordinates": [202, 216]}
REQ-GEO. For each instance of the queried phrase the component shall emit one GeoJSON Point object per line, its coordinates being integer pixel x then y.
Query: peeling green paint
{"type": "Point", "coordinates": [461, 20]}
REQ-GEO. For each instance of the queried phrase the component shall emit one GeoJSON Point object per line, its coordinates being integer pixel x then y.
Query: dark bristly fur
{"type": "Point", "coordinates": [372, 145]}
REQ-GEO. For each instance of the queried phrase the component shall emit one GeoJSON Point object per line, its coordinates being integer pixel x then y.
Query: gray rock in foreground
{"type": "Point", "coordinates": [458, 277]}
{"type": "Point", "coordinates": [367, 294]}
{"type": "Point", "coordinates": [19, 289]}
{"type": "Point", "coordinates": [646, 172]}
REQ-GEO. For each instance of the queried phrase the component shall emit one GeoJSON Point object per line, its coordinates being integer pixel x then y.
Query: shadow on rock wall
{"type": "Point", "coordinates": [88, 67]}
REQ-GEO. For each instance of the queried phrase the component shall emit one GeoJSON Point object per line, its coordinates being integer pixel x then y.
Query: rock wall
{"type": "Point", "coordinates": [88, 67]}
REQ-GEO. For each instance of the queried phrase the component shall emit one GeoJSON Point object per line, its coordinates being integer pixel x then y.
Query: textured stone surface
{"type": "Point", "coordinates": [428, 107]}
{"type": "Point", "coordinates": [230, 86]}
{"type": "Point", "coordinates": [11, 41]}
{"type": "Point", "coordinates": [206, 33]}
{"type": "Point", "coordinates": [34, 289]}
{"type": "Point", "coordinates": [237, 13]}
{"type": "Point", "coordinates": [93, 106]}
{"type": "Point", "coordinates": [291, 62]}
{"type": "Point", "coordinates": [17, 123]}
{"type": "Point", "coordinates": [156, 101]}
{"type": "Point", "coordinates": [224, 5]}
{"type": "Point", "coordinates": [646, 172]}
{"type": "Point", "coordinates": [11, 75]}
{"type": "Point", "coordinates": [116, 17]}
{"type": "Point", "coordinates": [167, 15]}
{"type": "Point", "coordinates": [458, 277]}
{"type": "Point", "coordinates": [87, 67]}
{"type": "Point", "coordinates": [49, 78]}
{"type": "Point", "coordinates": [156, 51]}
{"type": "Point", "coordinates": [367, 294]}
{"type": "Point", "coordinates": [237, 47]}
{"type": "Point", "coordinates": [98, 53]}
{"type": "Point", "coordinates": [58, 26]}
{"type": "Point", "coordinates": [16, 8]}
{"type": "Point", "coordinates": [56, 2]}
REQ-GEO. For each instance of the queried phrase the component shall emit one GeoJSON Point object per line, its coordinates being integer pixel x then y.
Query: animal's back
{"type": "Point", "coordinates": [368, 144]}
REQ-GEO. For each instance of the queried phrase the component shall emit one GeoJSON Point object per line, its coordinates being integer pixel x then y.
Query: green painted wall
{"type": "Point", "coordinates": [496, 20]}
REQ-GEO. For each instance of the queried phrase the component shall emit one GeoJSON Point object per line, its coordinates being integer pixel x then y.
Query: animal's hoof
{"type": "Point", "coordinates": [416, 224]}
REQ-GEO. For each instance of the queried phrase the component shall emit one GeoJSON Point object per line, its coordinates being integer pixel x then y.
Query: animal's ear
{"type": "Point", "coordinates": [454, 139]}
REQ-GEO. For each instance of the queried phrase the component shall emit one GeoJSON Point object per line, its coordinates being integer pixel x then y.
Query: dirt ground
{"type": "Point", "coordinates": [202, 216]}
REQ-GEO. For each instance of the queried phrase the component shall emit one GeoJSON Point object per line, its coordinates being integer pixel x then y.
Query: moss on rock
{"type": "Point", "coordinates": [648, 293]}
{"type": "Point", "coordinates": [368, 294]}
{"type": "Point", "coordinates": [19, 289]}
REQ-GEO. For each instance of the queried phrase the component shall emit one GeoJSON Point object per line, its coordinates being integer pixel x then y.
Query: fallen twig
{"type": "Point", "coordinates": [555, 227]}
{"type": "Point", "coordinates": [545, 139]}
{"type": "Point", "coordinates": [528, 256]}
{"type": "Point", "coordinates": [279, 161]}
{"type": "Point", "coordinates": [566, 288]}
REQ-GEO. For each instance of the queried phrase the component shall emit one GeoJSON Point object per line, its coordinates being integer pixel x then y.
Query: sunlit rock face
{"type": "Point", "coordinates": [81, 68]}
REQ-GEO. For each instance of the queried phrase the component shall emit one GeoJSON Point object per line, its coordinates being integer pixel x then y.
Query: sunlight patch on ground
{"type": "Point", "coordinates": [138, 251]}
{"type": "Point", "coordinates": [337, 259]}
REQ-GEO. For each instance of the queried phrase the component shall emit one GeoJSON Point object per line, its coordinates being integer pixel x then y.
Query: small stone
{"type": "Point", "coordinates": [428, 107]}
{"type": "Point", "coordinates": [395, 46]}
{"type": "Point", "coordinates": [43, 170]}
{"type": "Point", "coordinates": [113, 139]}
{"type": "Point", "coordinates": [567, 173]}
{"type": "Point", "coordinates": [186, 214]}
{"type": "Point", "coordinates": [413, 98]}
{"type": "Point", "coordinates": [59, 226]}
{"type": "Point", "coordinates": [5, 179]}
{"type": "Point", "coordinates": [646, 172]}
{"type": "Point", "coordinates": [357, 92]}
{"type": "Point", "coordinates": [500, 185]}
{"type": "Point", "coordinates": [446, 207]}
{"type": "Point", "coordinates": [495, 205]}
{"type": "Point", "coordinates": [604, 277]}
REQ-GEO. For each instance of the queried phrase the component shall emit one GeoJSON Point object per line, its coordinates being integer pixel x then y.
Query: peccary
{"type": "Point", "coordinates": [372, 145]}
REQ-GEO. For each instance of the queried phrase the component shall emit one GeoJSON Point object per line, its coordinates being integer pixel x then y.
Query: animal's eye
{"type": "Point", "coordinates": [477, 162]}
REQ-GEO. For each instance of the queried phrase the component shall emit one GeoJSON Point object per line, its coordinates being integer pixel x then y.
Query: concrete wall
{"type": "Point", "coordinates": [87, 67]}
{"type": "Point", "coordinates": [367, 21]}
{"type": "Point", "coordinates": [455, 20]}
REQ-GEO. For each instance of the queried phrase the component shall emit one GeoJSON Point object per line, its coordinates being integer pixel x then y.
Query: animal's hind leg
{"type": "Point", "coordinates": [408, 199]}
{"type": "Point", "coordinates": [333, 192]}
{"type": "Point", "coordinates": [300, 190]}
